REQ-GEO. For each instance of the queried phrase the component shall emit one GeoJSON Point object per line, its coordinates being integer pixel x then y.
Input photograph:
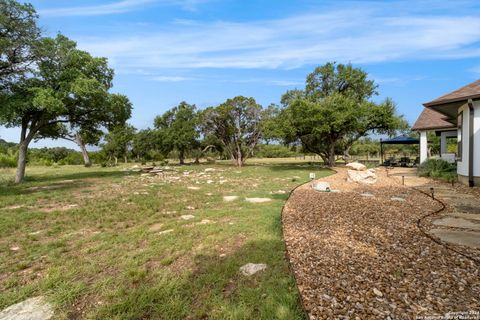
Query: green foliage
{"type": "Point", "coordinates": [19, 35]}
{"type": "Point", "coordinates": [119, 142]}
{"type": "Point", "coordinates": [437, 168]}
{"type": "Point", "coordinates": [57, 155]}
{"type": "Point", "coordinates": [365, 146]}
{"type": "Point", "coordinates": [236, 123]}
{"type": "Point", "coordinates": [274, 151]}
{"type": "Point", "coordinates": [8, 160]}
{"type": "Point", "coordinates": [335, 110]}
{"type": "Point", "coordinates": [177, 129]}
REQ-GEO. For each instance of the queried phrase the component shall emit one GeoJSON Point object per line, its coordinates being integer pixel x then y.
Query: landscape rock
{"type": "Point", "coordinates": [321, 186]}
{"type": "Point", "coordinates": [366, 177]}
{"type": "Point", "coordinates": [187, 217]}
{"type": "Point", "coordinates": [31, 309]}
{"type": "Point", "coordinates": [356, 166]}
{"type": "Point", "coordinates": [156, 227]}
{"type": "Point", "coordinates": [377, 292]}
{"type": "Point", "coordinates": [251, 268]}
{"type": "Point", "coordinates": [206, 221]}
{"type": "Point", "coordinates": [258, 200]}
{"type": "Point", "coordinates": [193, 188]}
{"type": "Point", "coordinates": [165, 231]}
{"type": "Point", "coordinates": [209, 170]}
{"type": "Point", "coordinates": [230, 198]}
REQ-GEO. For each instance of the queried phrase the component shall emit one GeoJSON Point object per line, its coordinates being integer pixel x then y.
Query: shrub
{"type": "Point", "coordinates": [273, 151]}
{"type": "Point", "coordinates": [8, 161]}
{"type": "Point", "coordinates": [437, 168]}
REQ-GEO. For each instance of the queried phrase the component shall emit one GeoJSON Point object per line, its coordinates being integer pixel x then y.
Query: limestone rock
{"type": "Point", "coordinates": [377, 292]}
{"type": "Point", "coordinates": [356, 166]}
{"type": "Point", "coordinates": [366, 176]}
{"type": "Point", "coordinates": [258, 200]}
{"type": "Point", "coordinates": [30, 309]}
{"type": "Point", "coordinates": [321, 186]}
{"type": "Point", "coordinates": [251, 268]}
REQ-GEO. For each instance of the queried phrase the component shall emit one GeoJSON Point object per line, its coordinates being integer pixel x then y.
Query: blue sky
{"type": "Point", "coordinates": [205, 51]}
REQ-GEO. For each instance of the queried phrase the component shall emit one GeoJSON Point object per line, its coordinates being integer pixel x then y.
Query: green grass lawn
{"type": "Point", "coordinates": [91, 241]}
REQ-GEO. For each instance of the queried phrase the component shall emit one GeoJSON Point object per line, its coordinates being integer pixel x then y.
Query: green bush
{"type": "Point", "coordinates": [273, 151]}
{"type": "Point", "coordinates": [437, 168]}
{"type": "Point", "coordinates": [8, 161]}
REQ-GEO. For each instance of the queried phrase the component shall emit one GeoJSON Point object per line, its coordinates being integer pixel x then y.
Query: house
{"type": "Point", "coordinates": [455, 115]}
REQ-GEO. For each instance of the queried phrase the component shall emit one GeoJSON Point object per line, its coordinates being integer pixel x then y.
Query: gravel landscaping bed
{"type": "Point", "coordinates": [358, 254]}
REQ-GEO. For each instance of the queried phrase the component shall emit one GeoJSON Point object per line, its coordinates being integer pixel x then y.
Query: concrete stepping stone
{"type": "Point", "coordinates": [468, 208]}
{"type": "Point", "coordinates": [457, 223]}
{"type": "Point", "coordinates": [251, 268]}
{"type": "Point", "coordinates": [30, 309]}
{"type": "Point", "coordinates": [258, 200]}
{"type": "Point", "coordinates": [230, 198]}
{"type": "Point", "coordinates": [465, 238]}
{"type": "Point", "coordinates": [469, 216]}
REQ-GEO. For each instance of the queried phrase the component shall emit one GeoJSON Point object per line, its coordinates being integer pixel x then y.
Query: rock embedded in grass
{"type": "Point", "coordinates": [251, 268]}
{"type": "Point", "coordinates": [30, 309]}
{"type": "Point", "coordinates": [194, 188]}
{"type": "Point", "coordinates": [230, 198]}
{"type": "Point", "coordinates": [258, 200]}
{"type": "Point", "coordinates": [165, 231]}
{"type": "Point", "coordinates": [156, 227]}
{"type": "Point", "coordinates": [187, 217]}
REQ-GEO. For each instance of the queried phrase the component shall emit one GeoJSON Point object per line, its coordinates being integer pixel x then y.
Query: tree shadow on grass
{"type": "Point", "coordinates": [61, 182]}
{"type": "Point", "coordinates": [214, 288]}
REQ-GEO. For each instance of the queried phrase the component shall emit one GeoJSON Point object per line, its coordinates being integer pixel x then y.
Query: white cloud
{"type": "Point", "coordinates": [115, 7]}
{"type": "Point", "coordinates": [172, 78]}
{"type": "Point", "coordinates": [368, 35]}
{"type": "Point", "coordinates": [475, 69]}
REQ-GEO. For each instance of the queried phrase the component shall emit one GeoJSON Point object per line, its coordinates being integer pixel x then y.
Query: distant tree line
{"type": "Point", "coordinates": [51, 89]}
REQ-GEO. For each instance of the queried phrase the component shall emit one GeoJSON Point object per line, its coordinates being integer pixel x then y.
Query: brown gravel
{"type": "Point", "coordinates": [358, 257]}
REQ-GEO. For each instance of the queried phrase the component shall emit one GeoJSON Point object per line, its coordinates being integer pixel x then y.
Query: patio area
{"type": "Point", "coordinates": [369, 251]}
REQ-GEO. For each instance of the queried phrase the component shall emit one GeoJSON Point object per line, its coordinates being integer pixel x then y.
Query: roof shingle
{"type": "Point", "coordinates": [430, 120]}
{"type": "Point", "coordinates": [470, 91]}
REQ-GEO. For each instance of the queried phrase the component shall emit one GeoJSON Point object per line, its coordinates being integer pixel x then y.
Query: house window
{"type": "Point", "coordinates": [460, 136]}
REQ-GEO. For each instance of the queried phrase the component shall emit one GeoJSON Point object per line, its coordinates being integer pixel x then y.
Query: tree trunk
{"type": "Point", "coordinates": [346, 155]}
{"type": "Point", "coordinates": [22, 152]}
{"type": "Point", "coordinates": [331, 156]}
{"type": "Point", "coordinates": [125, 158]}
{"type": "Point", "coordinates": [116, 161]}
{"type": "Point", "coordinates": [83, 148]}
{"type": "Point", "coordinates": [239, 157]}
{"type": "Point", "coordinates": [197, 160]}
{"type": "Point", "coordinates": [181, 157]}
{"type": "Point", "coordinates": [22, 161]}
